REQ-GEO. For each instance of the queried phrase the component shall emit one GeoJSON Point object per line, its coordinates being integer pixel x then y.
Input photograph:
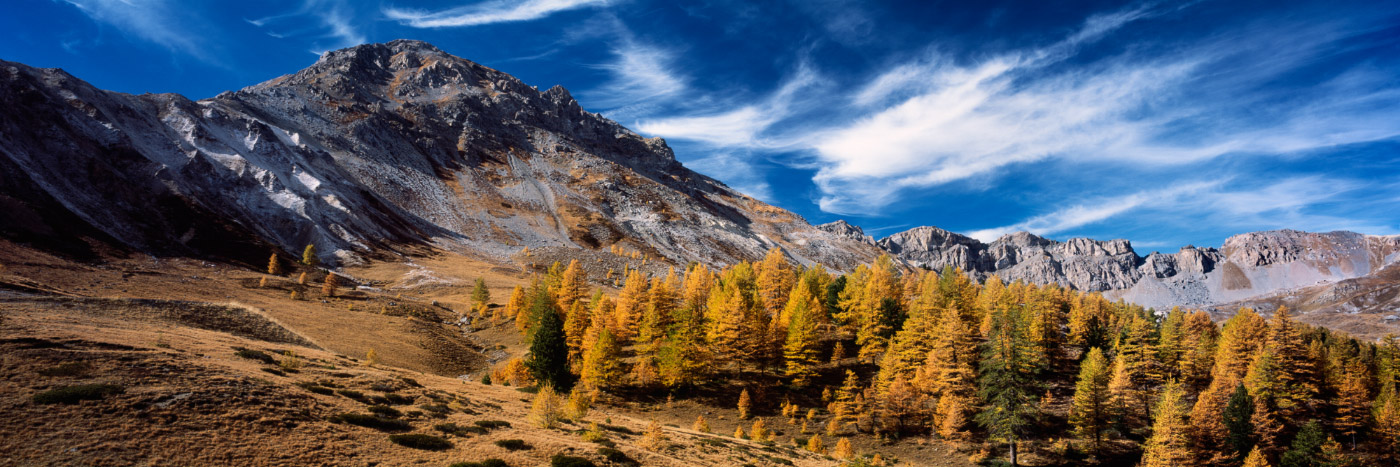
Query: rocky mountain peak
{"type": "Point", "coordinates": [845, 229]}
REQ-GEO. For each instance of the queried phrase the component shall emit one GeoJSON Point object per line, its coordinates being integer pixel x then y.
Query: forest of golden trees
{"type": "Point", "coordinates": [897, 352]}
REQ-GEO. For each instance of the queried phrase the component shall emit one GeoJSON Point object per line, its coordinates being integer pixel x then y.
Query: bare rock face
{"type": "Point", "coordinates": [371, 149]}
{"type": "Point", "coordinates": [843, 229]}
{"type": "Point", "coordinates": [1247, 266]}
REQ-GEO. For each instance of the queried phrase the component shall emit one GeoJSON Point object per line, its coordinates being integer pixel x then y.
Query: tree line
{"type": "Point", "coordinates": [924, 353]}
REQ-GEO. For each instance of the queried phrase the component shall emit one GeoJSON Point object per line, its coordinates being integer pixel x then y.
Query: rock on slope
{"type": "Point", "coordinates": [1247, 265]}
{"type": "Point", "coordinates": [369, 149]}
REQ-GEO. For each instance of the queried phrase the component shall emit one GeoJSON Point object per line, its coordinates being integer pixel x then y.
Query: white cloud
{"type": "Point", "coordinates": [157, 21]}
{"type": "Point", "coordinates": [488, 12]}
{"type": "Point", "coordinates": [742, 127]}
{"type": "Point", "coordinates": [935, 121]}
{"type": "Point", "coordinates": [641, 73]}
{"type": "Point", "coordinates": [737, 171]}
{"type": "Point", "coordinates": [334, 26]}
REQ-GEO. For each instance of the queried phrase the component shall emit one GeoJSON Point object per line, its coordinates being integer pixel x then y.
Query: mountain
{"type": "Point", "coordinates": [1247, 266]}
{"type": "Point", "coordinates": [373, 150]}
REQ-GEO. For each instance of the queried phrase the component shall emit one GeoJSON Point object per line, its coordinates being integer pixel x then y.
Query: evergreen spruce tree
{"type": "Point", "coordinates": [549, 350]}
{"type": "Point", "coordinates": [1238, 419]}
{"type": "Point", "coordinates": [1090, 415]}
{"type": "Point", "coordinates": [1008, 379]}
{"type": "Point", "coordinates": [480, 294]}
{"type": "Point", "coordinates": [1306, 450]}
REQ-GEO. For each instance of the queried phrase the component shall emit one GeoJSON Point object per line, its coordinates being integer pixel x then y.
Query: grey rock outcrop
{"type": "Point", "coordinates": [1247, 265]}
{"type": "Point", "coordinates": [373, 149]}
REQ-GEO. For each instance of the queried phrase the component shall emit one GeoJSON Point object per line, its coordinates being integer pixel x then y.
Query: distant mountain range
{"type": "Point", "coordinates": [393, 148]}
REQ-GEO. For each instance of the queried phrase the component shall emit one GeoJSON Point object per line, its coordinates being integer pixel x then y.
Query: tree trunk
{"type": "Point", "coordinates": [1013, 454]}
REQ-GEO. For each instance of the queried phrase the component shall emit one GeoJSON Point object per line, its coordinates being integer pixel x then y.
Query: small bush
{"type": "Point", "coordinates": [385, 411]}
{"type": "Point", "coordinates": [560, 460]}
{"type": "Point", "coordinates": [492, 424]}
{"type": "Point", "coordinates": [617, 457]}
{"type": "Point", "coordinates": [353, 394]}
{"type": "Point", "coordinates": [256, 355]}
{"type": "Point", "coordinates": [371, 421]}
{"type": "Point", "coordinates": [66, 369]}
{"type": "Point", "coordinates": [493, 462]}
{"type": "Point", "coordinates": [513, 444]}
{"type": "Point", "coordinates": [78, 393]}
{"type": "Point", "coordinates": [486, 379]}
{"type": "Point", "coordinates": [459, 430]}
{"type": "Point", "coordinates": [437, 410]}
{"type": "Point", "coordinates": [421, 441]}
{"type": "Point", "coordinates": [395, 399]}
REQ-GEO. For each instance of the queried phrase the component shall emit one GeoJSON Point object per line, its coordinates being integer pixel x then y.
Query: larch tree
{"type": "Point", "coordinates": [549, 351]}
{"type": "Point", "coordinates": [731, 307]}
{"type": "Point", "coordinates": [631, 302]}
{"type": "Point", "coordinates": [1266, 387]}
{"type": "Point", "coordinates": [1170, 444]}
{"type": "Point", "coordinates": [274, 266]}
{"type": "Point", "coordinates": [1170, 344]}
{"type": "Point", "coordinates": [910, 346]}
{"type": "Point", "coordinates": [1353, 402]}
{"type": "Point", "coordinates": [801, 351]}
{"type": "Point", "coordinates": [745, 404]}
{"type": "Point", "coordinates": [1136, 374]}
{"type": "Point", "coordinates": [1008, 380]}
{"type": "Point", "coordinates": [878, 309]}
{"type": "Point", "coordinates": [1090, 414]}
{"type": "Point", "coordinates": [573, 283]}
{"type": "Point", "coordinates": [576, 323]}
{"type": "Point", "coordinates": [1256, 459]}
{"type": "Point", "coordinates": [1049, 315]}
{"type": "Point", "coordinates": [1387, 429]}
{"type": "Point", "coordinates": [1198, 355]}
{"type": "Point", "coordinates": [517, 307]}
{"type": "Point", "coordinates": [1090, 321]}
{"type": "Point", "coordinates": [949, 375]}
{"type": "Point", "coordinates": [331, 284]}
{"type": "Point", "coordinates": [601, 367]}
{"type": "Point", "coordinates": [1241, 340]}
{"type": "Point", "coordinates": [309, 257]}
{"type": "Point", "coordinates": [775, 281]}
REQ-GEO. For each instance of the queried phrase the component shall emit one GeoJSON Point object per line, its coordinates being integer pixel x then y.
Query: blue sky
{"type": "Point", "coordinates": [1167, 123]}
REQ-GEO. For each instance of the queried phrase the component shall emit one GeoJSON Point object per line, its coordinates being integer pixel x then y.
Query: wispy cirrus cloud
{"type": "Point", "coordinates": [641, 74]}
{"type": "Point", "coordinates": [741, 127]}
{"type": "Point", "coordinates": [1097, 210]}
{"type": "Point", "coordinates": [161, 22]}
{"type": "Point", "coordinates": [488, 12]}
{"type": "Point", "coordinates": [334, 25]}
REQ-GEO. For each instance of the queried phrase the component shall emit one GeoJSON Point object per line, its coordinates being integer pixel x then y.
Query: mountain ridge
{"type": "Point", "coordinates": [381, 150]}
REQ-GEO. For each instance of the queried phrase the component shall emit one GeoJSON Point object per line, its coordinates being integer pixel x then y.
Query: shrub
{"type": "Point", "coordinates": [353, 394]}
{"type": "Point", "coordinates": [560, 460]}
{"type": "Point", "coordinates": [385, 411]}
{"type": "Point", "coordinates": [486, 379]}
{"type": "Point", "coordinates": [396, 399]}
{"type": "Point", "coordinates": [437, 410]}
{"type": "Point", "coordinates": [77, 393]}
{"type": "Point", "coordinates": [617, 457]}
{"type": "Point", "coordinates": [66, 369]}
{"type": "Point", "coordinates": [513, 444]}
{"type": "Point", "coordinates": [594, 434]}
{"type": "Point", "coordinates": [371, 421]}
{"type": "Point", "coordinates": [493, 462]}
{"type": "Point", "coordinates": [255, 355]}
{"type": "Point", "coordinates": [492, 424]}
{"type": "Point", "coordinates": [421, 441]}
{"type": "Point", "coordinates": [547, 409]}
{"type": "Point", "coordinates": [459, 430]}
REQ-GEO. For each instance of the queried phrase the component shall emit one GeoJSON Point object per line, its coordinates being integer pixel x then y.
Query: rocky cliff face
{"type": "Point", "coordinates": [1247, 265]}
{"type": "Point", "coordinates": [371, 149]}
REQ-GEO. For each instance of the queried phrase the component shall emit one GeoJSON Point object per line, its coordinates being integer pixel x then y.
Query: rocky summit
{"type": "Point", "coordinates": [372, 150]}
